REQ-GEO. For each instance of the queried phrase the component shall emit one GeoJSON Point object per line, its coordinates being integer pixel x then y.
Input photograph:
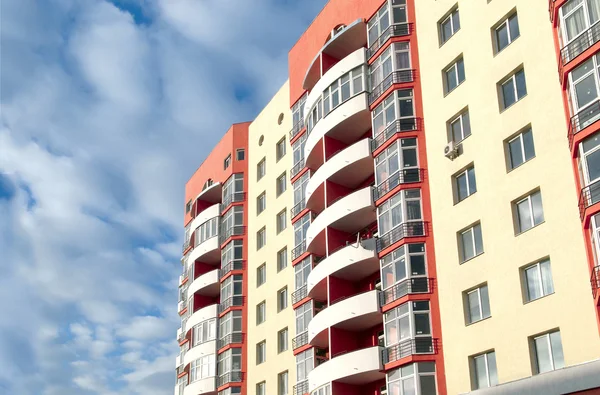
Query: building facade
{"type": "Point", "coordinates": [423, 216]}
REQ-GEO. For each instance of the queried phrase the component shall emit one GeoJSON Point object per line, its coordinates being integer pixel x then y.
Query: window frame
{"type": "Point", "coordinates": [281, 221]}
{"type": "Point", "coordinates": [467, 173]}
{"type": "Point", "coordinates": [281, 184]}
{"type": "Point", "coordinates": [261, 169]}
{"type": "Point", "coordinates": [551, 356]}
{"type": "Point", "coordinates": [512, 78]}
{"type": "Point", "coordinates": [282, 299]}
{"type": "Point", "coordinates": [460, 118]}
{"type": "Point", "coordinates": [454, 65]}
{"type": "Point", "coordinates": [261, 238]}
{"type": "Point", "coordinates": [261, 275]}
{"type": "Point", "coordinates": [227, 162]}
{"type": "Point", "coordinates": [238, 152]}
{"type": "Point", "coordinates": [282, 263]}
{"type": "Point", "coordinates": [450, 18]}
{"type": "Point", "coordinates": [283, 383]}
{"type": "Point", "coordinates": [400, 99]}
{"type": "Point", "coordinates": [491, 379]}
{"type": "Point", "coordinates": [480, 300]}
{"type": "Point", "coordinates": [261, 352]}
{"type": "Point", "coordinates": [261, 312]}
{"type": "Point", "coordinates": [529, 200]}
{"type": "Point", "coordinates": [462, 249]}
{"type": "Point", "coordinates": [386, 209]}
{"type": "Point", "coordinates": [546, 289]}
{"type": "Point", "coordinates": [280, 149]}
{"type": "Point", "coordinates": [520, 137]}
{"type": "Point", "coordinates": [261, 203]}
{"type": "Point", "coordinates": [506, 23]}
{"type": "Point", "coordinates": [283, 340]}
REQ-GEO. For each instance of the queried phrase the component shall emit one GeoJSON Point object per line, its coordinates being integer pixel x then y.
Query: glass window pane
{"type": "Point", "coordinates": [502, 37]}
{"type": "Point", "coordinates": [524, 215]}
{"type": "Point", "coordinates": [466, 124]}
{"type": "Point", "coordinates": [461, 185]}
{"type": "Point", "coordinates": [480, 372]}
{"type": "Point", "coordinates": [428, 385]}
{"type": "Point", "coordinates": [547, 283]}
{"type": "Point", "coordinates": [521, 85]}
{"type": "Point", "coordinates": [508, 93]}
{"type": "Point", "coordinates": [451, 82]}
{"type": "Point", "coordinates": [485, 301]}
{"type": "Point", "coordinates": [542, 352]}
{"type": "Point", "coordinates": [533, 283]}
{"type": "Point", "coordinates": [528, 145]}
{"type": "Point", "coordinates": [557, 351]}
{"type": "Point", "coordinates": [478, 239]}
{"type": "Point", "coordinates": [592, 162]}
{"type": "Point", "coordinates": [474, 312]}
{"type": "Point", "coordinates": [461, 70]}
{"type": "Point", "coordinates": [467, 245]}
{"type": "Point", "coordinates": [585, 91]}
{"type": "Point", "coordinates": [455, 21]}
{"type": "Point", "coordinates": [513, 22]}
{"type": "Point", "coordinates": [446, 30]}
{"type": "Point", "coordinates": [538, 212]}
{"type": "Point", "coordinates": [408, 386]}
{"type": "Point", "coordinates": [492, 369]}
{"type": "Point", "coordinates": [422, 324]}
{"type": "Point", "coordinates": [472, 182]}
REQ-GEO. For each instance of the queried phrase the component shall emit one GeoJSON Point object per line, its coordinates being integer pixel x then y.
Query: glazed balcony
{"type": "Point", "coordinates": [207, 251]}
{"type": "Point", "coordinates": [589, 196]}
{"type": "Point", "coordinates": [297, 209]}
{"type": "Point", "coordinates": [404, 176]}
{"type": "Point", "coordinates": [406, 348]}
{"type": "Point", "coordinates": [406, 229]}
{"type": "Point", "coordinates": [296, 129]}
{"type": "Point", "coordinates": [230, 377]}
{"type": "Point", "coordinates": [398, 30]}
{"type": "Point", "coordinates": [232, 338]}
{"type": "Point", "coordinates": [200, 315]}
{"type": "Point", "coordinates": [297, 168]}
{"type": "Point", "coordinates": [206, 284]}
{"type": "Point", "coordinates": [396, 77]}
{"type": "Point", "coordinates": [199, 350]}
{"type": "Point", "coordinates": [300, 340]}
{"type": "Point", "coordinates": [205, 386]}
{"type": "Point", "coordinates": [232, 301]}
{"type": "Point", "coordinates": [230, 267]}
{"type": "Point", "coordinates": [595, 281]}
{"type": "Point", "coordinates": [580, 44]}
{"type": "Point", "coordinates": [235, 197]}
{"type": "Point", "coordinates": [582, 120]}
{"type": "Point", "coordinates": [299, 294]}
{"type": "Point", "coordinates": [236, 230]}
{"type": "Point", "coordinates": [415, 285]}
{"type": "Point", "coordinates": [402, 125]}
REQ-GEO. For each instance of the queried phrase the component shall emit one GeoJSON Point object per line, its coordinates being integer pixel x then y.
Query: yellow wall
{"type": "Point", "coordinates": [570, 308]}
{"type": "Point", "coordinates": [266, 125]}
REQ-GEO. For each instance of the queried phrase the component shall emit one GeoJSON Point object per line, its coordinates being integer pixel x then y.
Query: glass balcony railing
{"type": "Point", "coordinates": [418, 345]}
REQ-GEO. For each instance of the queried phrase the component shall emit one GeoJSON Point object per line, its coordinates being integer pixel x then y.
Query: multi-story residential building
{"type": "Point", "coordinates": [429, 225]}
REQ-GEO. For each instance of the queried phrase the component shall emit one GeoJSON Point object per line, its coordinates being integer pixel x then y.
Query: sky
{"type": "Point", "coordinates": [106, 109]}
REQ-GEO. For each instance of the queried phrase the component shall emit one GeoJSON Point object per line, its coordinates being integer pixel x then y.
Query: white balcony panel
{"type": "Point", "coordinates": [348, 168]}
{"type": "Point", "coordinates": [208, 251]}
{"type": "Point", "coordinates": [210, 212]}
{"type": "Point", "coordinates": [353, 262]}
{"type": "Point", "coordinates": [203, 314]}
{"type": "Point", "coordinates": [349, 214]}
{"type": "Point", "coordinates": [355, 59]}
{"type": "Point", "coordinates": [356, 313]}
{"type": "Point", "coordinates": [206, 284]}
{"type": "Point", "coordinates": [201, 350]}
{"type": "Point", "coordinates": [347, 122]}
{"type": "Point", "coordinates": [206, 386]}
{"type": "Point", "coordinates": [356, 367]}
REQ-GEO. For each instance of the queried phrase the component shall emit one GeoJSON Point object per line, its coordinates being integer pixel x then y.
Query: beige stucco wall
{"type": "Point", "coordinates": [570, 308]}
{"type": "Point", "coordinates": [266, 124]}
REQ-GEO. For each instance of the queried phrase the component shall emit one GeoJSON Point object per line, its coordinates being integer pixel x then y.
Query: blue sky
{"type": "Point", "coordinates": [107, 107]}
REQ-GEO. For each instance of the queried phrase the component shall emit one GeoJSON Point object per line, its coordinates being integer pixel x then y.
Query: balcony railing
{"type": "Point", "coordinates": [398, 126]}
{"type": "Point", "coordinates": [301, 388]}
{"type": "Point", "coordinates": [300, 340]}
{"type": "Point", "coordinates": [576, 47]}
{"type": "Point", "coordinates": [419, 345]}
{"type": "Point", "coordinates": [396, 77]}
{"type": "Point", "coordinates": [232, 198]}
{"type": "Point", "coordinates": [299, 250]}
{"type": "Point", "coordinates": [297, 209]}
{"type": "Point", "coordinates": [398, 30]}
{"type": "Point", "coordinates": [181, 336]}
{"type": "Point", "coordinates": [589, 196]}
{"type": "Point", "coordinates": [231, 266]}
{"type": "Point", "coordinates": [297, 168]}
{"type": "Point", "coordinates": [582, 119]}
{"type": "Point", "coordinates": [404, 176]}
{"type": "Point", "coordinates": [406, 229]}
{"type": "Point", "coordinates": [296, 128]}
{"type": "Point", "coordinates": [595, 280]}
{"type": "Point", "coordinates": [236, 230]}
{"type": "Point", "coordinates": [185, 246]}
{"type": "Point", "coordinates": [232, 338]}
{"type": "Point", "coordinates": [299, 294]}
{"type": "Point", "coordinates": [230, 302]}
{"type": "Point", "coordinates": [409, 286]}
{"type": "Point", "coordinates": [230, 377]}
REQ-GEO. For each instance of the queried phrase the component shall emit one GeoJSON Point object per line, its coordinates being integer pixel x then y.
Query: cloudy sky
{"type": "Point", "coordinates": [107, 108]}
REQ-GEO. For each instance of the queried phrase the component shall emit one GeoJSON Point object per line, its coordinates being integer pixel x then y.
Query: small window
{"type": "Point", "coordinates": [459, 127]}
{"type": "Point", "coordinates": [513, 89]}
{"type": "Point", "coordinates": [261, 312]}
{"type": "Point", "coordinates": [261, 275]}
{"type": "Point", "coordinates": [281, 184]}
{"type": "Point", "coordinates": [227, 162]}
{"type": "Point", "coordinates": [282, 259]}
{"type": "Point", "coordinates": [261, 169]}
{"type": "Point", "coordinates": [282, 299]}
{"type": "Point", "coordinates": [240, 154]}
{"type": "Point", "coordinates": [282, 340]}
{"type": "Point", "coordinates": [261, 203]}
{"type": "Point", "coordinates": [478, 304]}
{"type": "Point", "coordinates": [538, 280]}
{"type": "Point", "coordinates": [261, 352]}
{"type": "Point", "coordinates": [548, 352]}
{"type": "Point", "coordinates": [261, 238]}
{"type": "Point", "coordinates": [483, 370]}
{"type": "Point", "coordinates": [282, 383]}
{"type": "Point", "coordinates": [528, 212]}
{"type": "Point", "coordinates": [188, 206]}
{"type": "Point", "coordinates": [520, 149]}
{"type": "Point", "coordinates": [280, 149]}
{"type": "Point", "coordinates": [280, 119]}
{"type": "Point", "coordinates": [470, 243]}
{"type": "Point", "coordinates": [261, 388]}
{"type": "Point", "coordinates": [507, 32]}
{"type": "Point", "coordinates": [281, 220]}
{"type": "Point", "coordinates": [261, 140]}
{"type": "Point", "coordinates": [465, 184]}
{"type": "Point", "coordinates": [454, 75]}
{"type": "Point", "coordinates": [449, 26]}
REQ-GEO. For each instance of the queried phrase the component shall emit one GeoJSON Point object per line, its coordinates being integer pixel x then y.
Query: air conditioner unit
{"type": "Point", "coordinates": [451, 150]}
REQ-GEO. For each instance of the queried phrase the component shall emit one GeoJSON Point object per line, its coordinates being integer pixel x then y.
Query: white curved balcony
{"type": "Point", "coordinates": [346, 123]}
{"type": "Point", "coordinates": [212, 193]}
{"type": "Point", "coordinates": [203, 314]}
{"type": "Point", "coordinates": [201, 350]}
{"type": "Point", "coordinates": [356, 313]}
{"type": "Point", "coordinates": [352, 262]}
{"type": "Point", "coordinates": [208, 251]}
{"type": "Point", "coordinates": [356, 367]}
{"type": "Point", "coordinates": [206, 386]}
{"type": "Point", "coordinates": [349, 214]}
{"type": "Point", "coordinates": [210, 212]}
{"type": "Point", "coordinates": [206, 284]}
{"type": "Point", "coordinates": [349, 168]}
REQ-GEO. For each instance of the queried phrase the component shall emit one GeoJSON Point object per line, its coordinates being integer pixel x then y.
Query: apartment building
{"type": "Point", "coordinates": [424, 210]}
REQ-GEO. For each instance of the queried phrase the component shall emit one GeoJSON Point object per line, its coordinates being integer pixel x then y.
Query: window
{"type": "Point", "coordinates": [261, 203]}
{"type": "Point", "coordinates": [281, 220]}
{"type": "Point", "coordinates": [401, 155]}
{"type": "Point", "coordinates": [449, 26]}
{"type": "Point", "coordinates": [300, 228]}
{"type": "Point", "coordinates": [261, 238]}
{"type": "Point", "coordinates": [227, 162]}
{"type": "Point", "coordinates": [408, 321]}
{"type": "Point", "coordinates": [231, 222]}
{"type": "Point", "coordinates": [302, 270]}
{"type": "Point", "coordinates": [478, 304]}
{"type": "Point", "coordinates": [404, 262]}
{"type": "Point", "coordinates": [378, 24]}
{"type": "Point", "coordinates": [261, 275]}
{"type": "Point", "coordinates": [513, 89]}
{"type": "Point", "coordinates": [395, 58]}
{"type": "Point", "coordinates": [470, 243]}
{"type": "Point", "coordinates": [282, 297]}
{"type": "Point", "coordinates": [261, 312]}
{"type": "Point", "coordinates": [298, 153]}
{"type": "Point", "coordinates": [583, 91]}
{"type": "Point", "coordinates": [298, 114]}
{"type": "Point", "coordinates": [240, 154]}
{"type": "Point", "coordinates": [205, 331]}
{"type": "Point", "coordinates": [305, 362]}
{"type": "Point", "coordinates": [233, 187]}
{"type": "Point", "coordinates": [398, 106]}
{"type": "Point", "coordinates": [459, 128]}
{"type": "Point", "coordinates": [231, 286]}
{"type": "Point", "coordinates": [403, 207]}
{"type": "Point", "coordinates": [407, 379]}
{"type": "Point", "coordinates": [261, 352]}
{"type": "Point", "coordinates": [282, 340]}
{"type": "Point", "coordinates": [507, 32]}
{"type": "Point", "coordinates": [349, 85]}
{"type": "Point", "coordinates": [538, 280]}
{"type": "Point", "coordinates": [282, 259]}
{"type": "Point", "coordinates": [202, 368]}
{"type": "Point", "coordinates": [300, 190]}
{"type": "Point", "coordinates": [304, 314]}
{"type": "Point", "coordinates": [589, 167]}
{"type": "Point", "coordinates": [232, 254]}
{"type": "Point", "coordinates": [576, 16]}
{"type": "Point", "coordinates": [464, 184]}
{"type": "Point", "coordinates": [520, 149]}
{"type": "Point", "coordinates": [229, 361]}
{"type": "Point", "coordinates": [230, 323]}
{"type": "Point", "coordinates": [282, 383]}
{"type": "Point", "coordinates": [281, 184]}
{"type": "Point", "coordinates": [454, 75]}
{"type": "Point", "coordinates": [261, 388]}
{"type": "Point", "coordinates": [206, 231]}
{"type": "Point", "coordinates": [529, 212]}
{"type": "Point", "coordinates": [188, 206]}
{"type": "Point", "coordinates": [548, 352]}
{"type": "Point", "coordinates": [280, 149]}
{"type": "Point", "coordinates": [261, 169]}
{"type": "Point", "coordinates": [483, 370]}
